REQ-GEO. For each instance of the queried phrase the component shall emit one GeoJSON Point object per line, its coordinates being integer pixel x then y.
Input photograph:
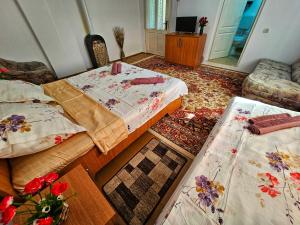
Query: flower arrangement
{"type": "Point", "coordinates": [202, 22]}
{"type": "Point", "coordinates": [120, 36]}
{"type": "Point", "coordinates": [51, 209]}
{"type": "Point", "coordinates": [3, 69]}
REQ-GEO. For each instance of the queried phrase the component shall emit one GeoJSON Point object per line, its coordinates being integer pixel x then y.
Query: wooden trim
{"type": "Point", "coordinates": [5, 182]}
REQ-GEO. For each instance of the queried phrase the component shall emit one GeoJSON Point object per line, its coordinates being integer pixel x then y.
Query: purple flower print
{"type": "Point", "coordinates": [155, 94]}
{"type": "Point", "coordinates": [86, 87]}
{"type": "Point", "coordinates": [277, 160]}
{"type": "Point", "coordinates": [13, 123]}
{"type": "Point", "coordinates": [207, 190]}
{"type": "Point", "coordinates": [111, 102]}
{"type": "Point", "coordinates": [241, 111]}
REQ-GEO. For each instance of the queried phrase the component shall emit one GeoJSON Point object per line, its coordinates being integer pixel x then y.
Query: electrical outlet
{"type": "Point", "coordinates": [266, 30]}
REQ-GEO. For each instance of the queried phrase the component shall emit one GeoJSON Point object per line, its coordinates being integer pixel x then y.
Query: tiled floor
{"type": "Point", "coordinates": [229, 60]}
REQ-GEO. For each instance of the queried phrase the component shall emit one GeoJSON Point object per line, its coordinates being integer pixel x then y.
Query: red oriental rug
{"type": "Point", "coordinates": [210, 90]}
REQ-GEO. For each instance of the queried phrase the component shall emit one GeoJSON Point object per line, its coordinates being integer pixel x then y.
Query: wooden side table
{"type": "Point", "coordinates": [88, 207]}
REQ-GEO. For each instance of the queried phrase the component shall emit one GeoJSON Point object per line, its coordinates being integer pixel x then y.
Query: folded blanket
{"type": "Point", "coordinates": [147, 80]}
{"type": "Point", "coordinates": [106, 129]}
{"type": "Point", "coordinates": [119, 67]}
{"type": "Point", "coordinates": [268, 126]}
{"type": "Point", "coordinates": [268, 118]}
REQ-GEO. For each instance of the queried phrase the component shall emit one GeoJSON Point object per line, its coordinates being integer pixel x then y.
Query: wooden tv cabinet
{"type": "Point", "coordinates": [185, 49]}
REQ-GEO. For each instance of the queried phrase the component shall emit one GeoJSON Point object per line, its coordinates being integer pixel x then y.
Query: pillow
{"type": "Point", "coordinates": [27, 128]}
{"type": "Point", "coordinates": [21, 91]}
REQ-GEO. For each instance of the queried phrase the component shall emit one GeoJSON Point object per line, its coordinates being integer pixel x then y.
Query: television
{"type": "Point", "coordinates": [186, 24]}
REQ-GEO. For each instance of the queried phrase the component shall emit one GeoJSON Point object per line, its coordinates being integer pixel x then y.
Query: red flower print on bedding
{"type": "Point", "coordinates": [142, 100]}
{"type": "Point", "coordinates": [234, 151]}
{"type": "Point", "coordinates": [240, 118]}
{"type": "Point", "coordinates": [269, 183]}
{"type": "Point", "coordinates": [296, 179]}
{"type": "Point", "coordinates": [58, 140]}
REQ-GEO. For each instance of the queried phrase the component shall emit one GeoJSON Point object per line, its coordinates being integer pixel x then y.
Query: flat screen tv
{"type": "Point", "coordinates": [186, 24]}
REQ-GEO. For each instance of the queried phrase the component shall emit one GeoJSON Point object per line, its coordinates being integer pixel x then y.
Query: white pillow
{"type": "Point", "coordinates": [27, 128]}
{"type": "Point", "coordinates": [21, 91]}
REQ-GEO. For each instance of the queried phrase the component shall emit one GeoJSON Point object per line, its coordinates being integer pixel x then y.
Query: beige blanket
{"type": "Point", "coordinates": [105, 128]}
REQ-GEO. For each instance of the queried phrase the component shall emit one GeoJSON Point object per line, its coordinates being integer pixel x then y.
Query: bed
{"type": "Point", "coordinates": [241, 178]}
{"type": "Point", "coordinates": [139, 106]}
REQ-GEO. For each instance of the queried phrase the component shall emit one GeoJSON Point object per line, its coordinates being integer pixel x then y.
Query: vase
{"type": "Point", "coordinates": [201, 30]}
{"type": "Point", "coordinates": [64, 213]}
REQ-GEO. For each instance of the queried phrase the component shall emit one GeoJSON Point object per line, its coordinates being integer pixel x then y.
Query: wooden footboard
{"type": "Point", "coordinates": [94, 160]}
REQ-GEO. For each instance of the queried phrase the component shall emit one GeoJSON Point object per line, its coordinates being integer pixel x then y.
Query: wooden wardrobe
{"type": "Point", "coordinates": [185, 49]}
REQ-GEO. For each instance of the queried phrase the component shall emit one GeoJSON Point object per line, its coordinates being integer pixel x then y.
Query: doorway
{"type": "Point", "coordinates": [235, 25]}
{"type": "Point", "coordinates": [156, 26]}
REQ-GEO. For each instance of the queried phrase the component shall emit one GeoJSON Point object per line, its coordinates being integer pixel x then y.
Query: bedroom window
{"type": "Point", "coordinates": [156, 11]}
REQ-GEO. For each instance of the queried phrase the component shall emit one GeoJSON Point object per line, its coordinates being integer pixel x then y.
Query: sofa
{"type": "Point", "coordinates": [33, 72]}
{"type": "Point", "coordinates": [275, 83]}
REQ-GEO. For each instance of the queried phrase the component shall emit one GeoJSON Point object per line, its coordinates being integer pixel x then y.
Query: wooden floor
{"type": "Point", "coordinates": [136, 58]}
{"type": "Point", "coordinates": [114, 166]}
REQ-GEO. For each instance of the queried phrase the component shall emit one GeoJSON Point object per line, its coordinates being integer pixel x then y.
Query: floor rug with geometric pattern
{"type": "Point", "coordinates": [139, 186]}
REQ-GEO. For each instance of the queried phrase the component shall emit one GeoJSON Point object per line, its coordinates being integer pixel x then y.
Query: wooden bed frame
{"type": "Point", "coordinates": [94, 160]}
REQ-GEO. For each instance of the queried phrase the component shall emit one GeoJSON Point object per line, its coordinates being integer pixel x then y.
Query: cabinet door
{"type": "Point", "coordinates": [173, 52]}
{"type": "Point", "coordinates": [190, 51]}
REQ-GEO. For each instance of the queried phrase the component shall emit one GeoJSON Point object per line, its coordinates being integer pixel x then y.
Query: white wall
{"type": "Point", "coordinates": [281, 18]}
{"type": "Point", "coordinates": [282, 41]}
{"type": "Point", "coordinates": [60, 29]}
{"type": "Point", "coordinates": [208, 8]}
{"type": "Point", "coordinates": [17, 42]}
{"type": "Point", "coordinates": [106, 14]}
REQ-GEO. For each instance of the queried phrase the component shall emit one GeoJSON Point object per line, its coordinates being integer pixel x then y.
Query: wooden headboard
{"type": "Point", "coordinates": [5, 181]}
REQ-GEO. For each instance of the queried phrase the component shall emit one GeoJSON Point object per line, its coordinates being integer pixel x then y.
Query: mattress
{"type": "Point", "coordinates": [135, 104]}
{"type": "Point", "coordinates": [25, 168]}
{"type": "Point", "coordinates": [241, 178]}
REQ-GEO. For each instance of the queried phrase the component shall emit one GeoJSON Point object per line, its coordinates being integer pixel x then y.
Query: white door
{"type": "Point", "coordinates": [228, 24]}
{"type": "Point", "coordinates": [157, 17]}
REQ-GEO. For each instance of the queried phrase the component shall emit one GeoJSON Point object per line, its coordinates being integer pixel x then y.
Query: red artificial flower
{"type": "Point", "coordinates": [59, 188]}
{"type": "Point", "coordinates": [203, 21]}
{"type": "Point", "coordinates": [8, 215]}
{"type": "Point", "coordinates": [4, 70]}
{"type": "Point", "coordinates": [6, 202]}
{"type": "Point", "coordinates": [45, 221]}
{"type": "Point", "coordinates": [33, 186]}
{"type": "Point", "coordinates": [58, 140]}
{"type": "Point", "coordinates": [50, 178]}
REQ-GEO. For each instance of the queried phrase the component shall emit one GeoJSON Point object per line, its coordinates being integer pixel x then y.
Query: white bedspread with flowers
{"type": "Point", "coordinates": [240, 178]}
{"type": "Point", "coordinates": [135, 104]}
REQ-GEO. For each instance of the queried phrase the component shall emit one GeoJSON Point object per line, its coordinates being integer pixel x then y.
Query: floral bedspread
{"type": "Point", "coordinates": [241, 178]}
{"type": "Point", "coordinates": [135, 104]}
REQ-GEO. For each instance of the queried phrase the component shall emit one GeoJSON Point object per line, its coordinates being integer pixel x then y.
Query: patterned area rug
{"type": "Point", "coordinates": [140, 185]}
{"type": "Point", "coordinates": [210, 90]}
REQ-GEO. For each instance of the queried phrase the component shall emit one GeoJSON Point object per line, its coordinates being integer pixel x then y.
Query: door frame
{"type": "Point", "coordinates": [250, 33]}
{"type": "Point", "coordinates": [158, 32]}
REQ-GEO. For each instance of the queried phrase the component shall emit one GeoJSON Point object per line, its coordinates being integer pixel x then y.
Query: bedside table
{"type": "Point", "coordinates": [88, 207]}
